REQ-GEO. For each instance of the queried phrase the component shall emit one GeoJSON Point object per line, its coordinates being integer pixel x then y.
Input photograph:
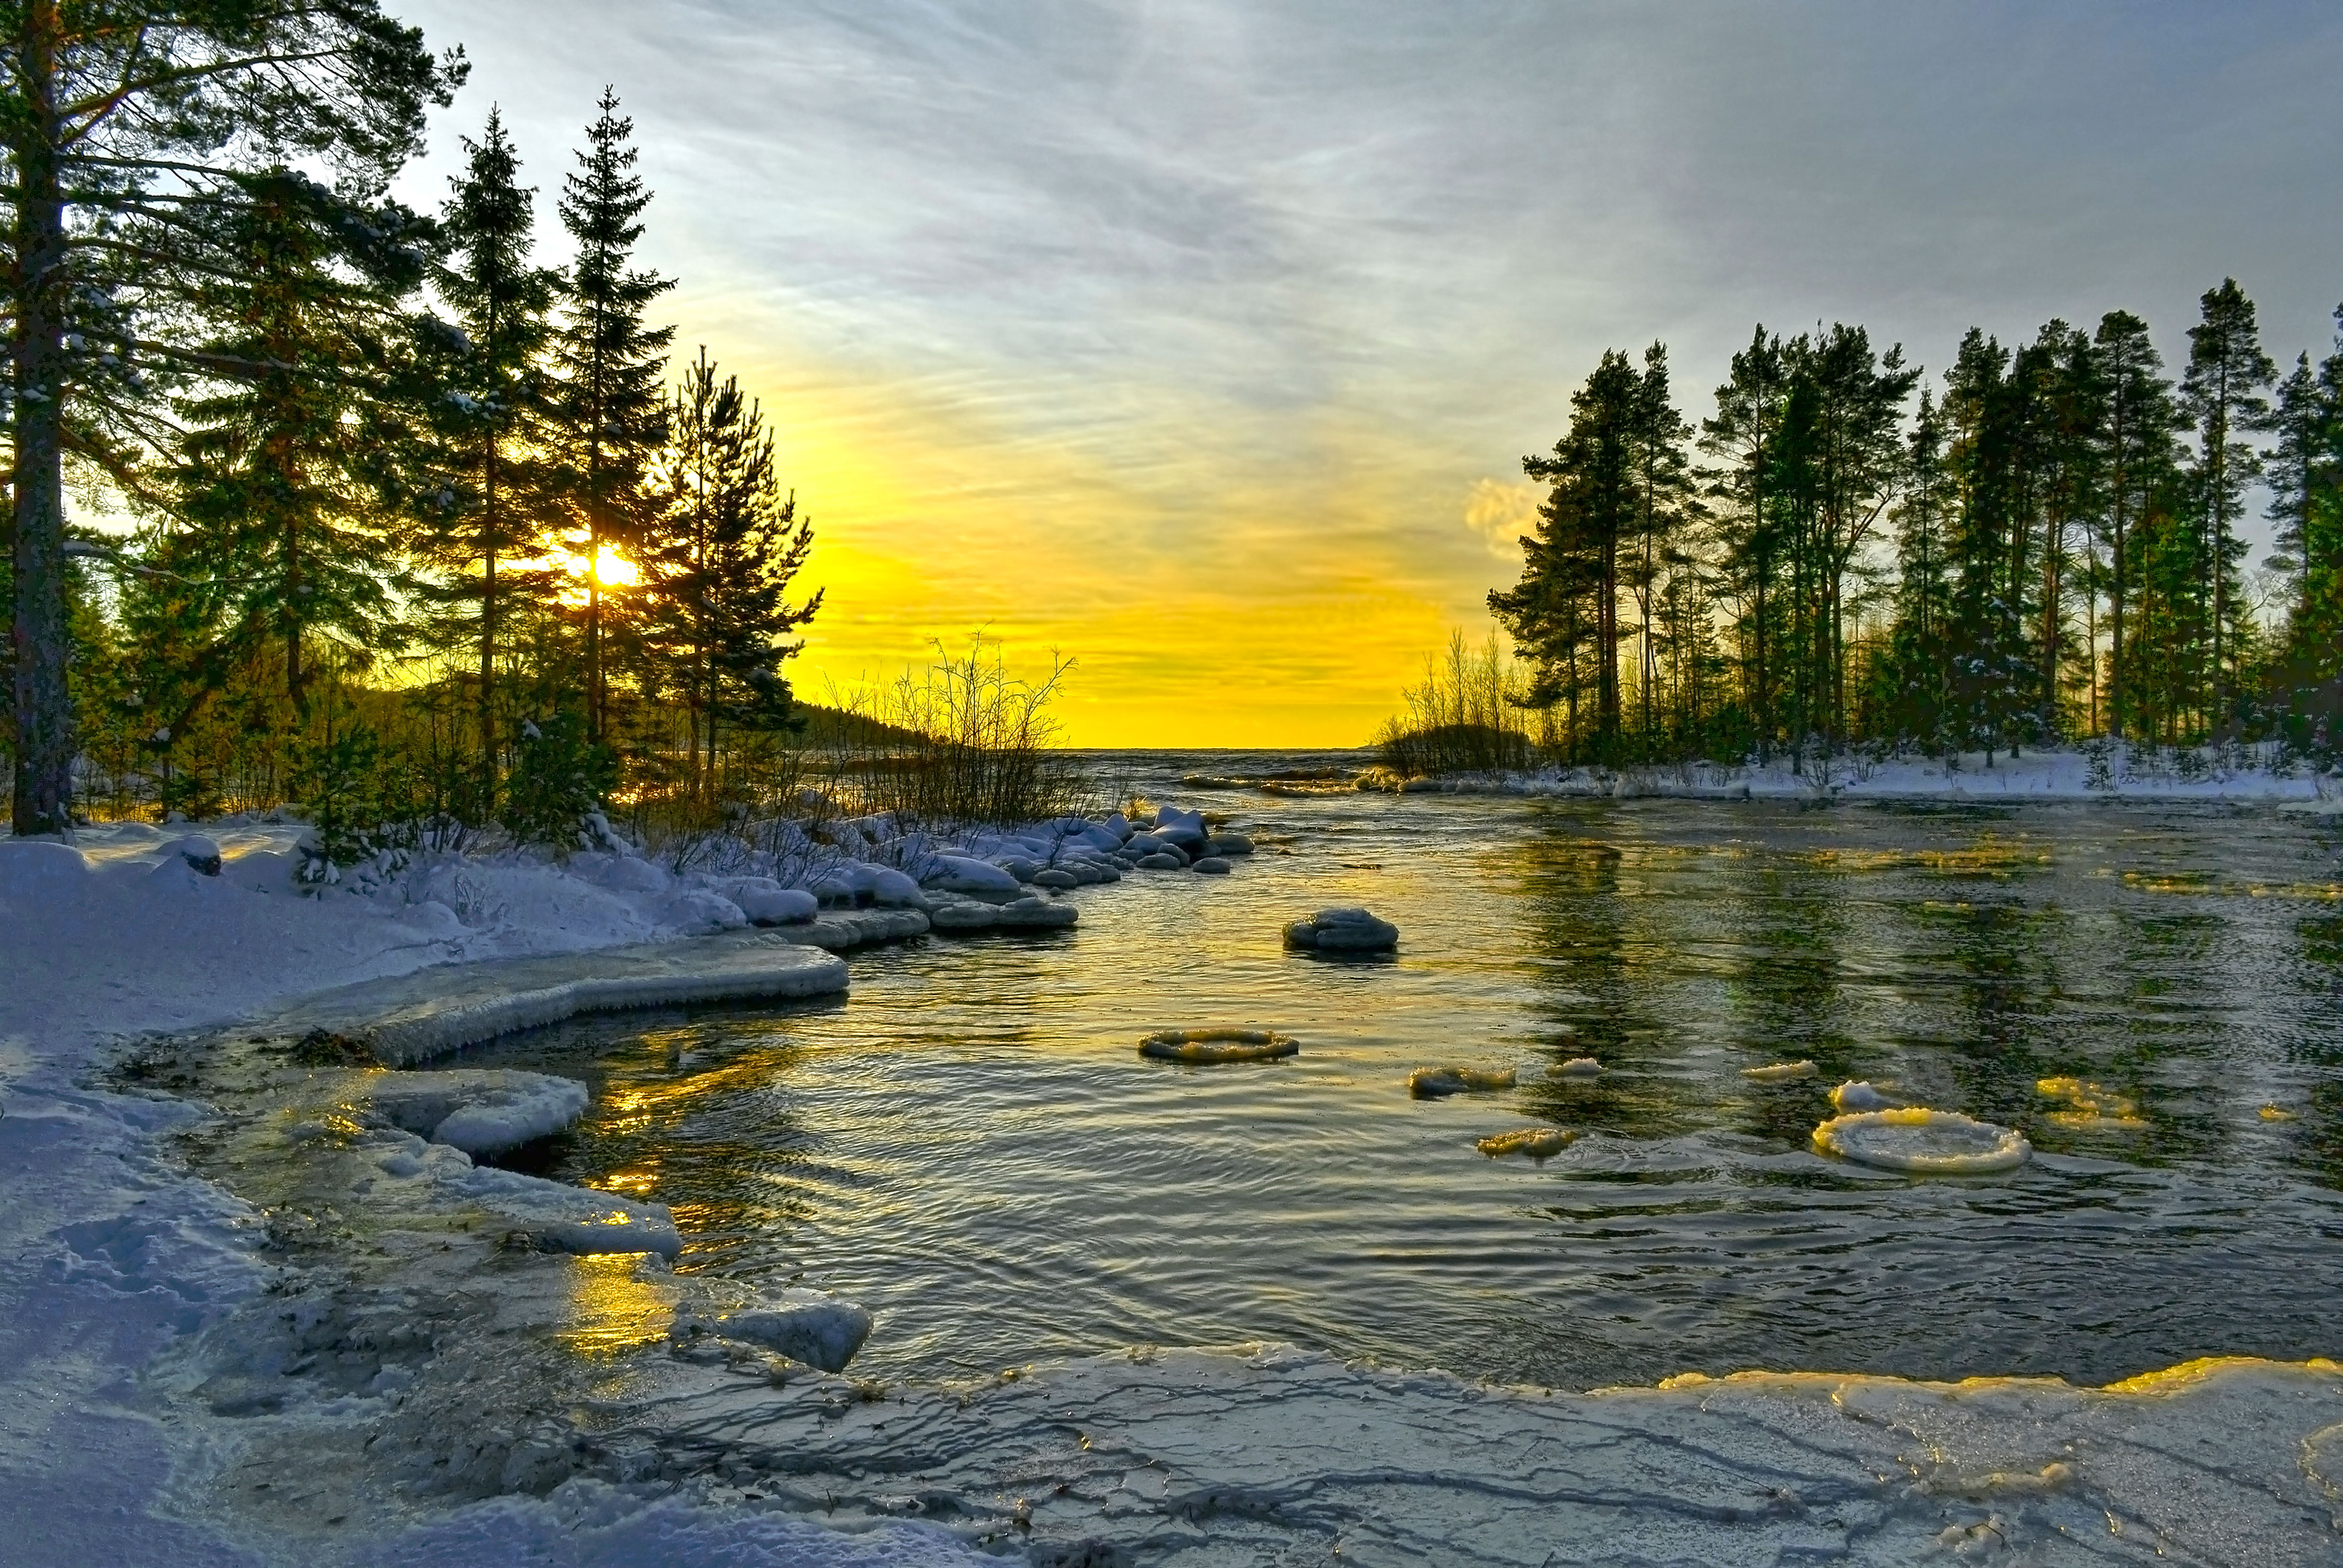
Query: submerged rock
{"type": "Point", "coordinates": [1211, 866]}
{"type": "Point", "coordinates": [1161, 860]}
{"type": "Point", "coordinates": [819, 1329]}
{"type": "Point", "coordinates": [1925, 1142]}
{"type": "Point", "coordinates": [1434, 1082]}
{"type": "Point", "coordinates": [1343, 932]}
{"type": "Point", "coordinates": [1228, 844]}
{"type": "Point", "coordinates": [1206, 1046]}
{"type": "Point", "coordinates": [1536, 1142]}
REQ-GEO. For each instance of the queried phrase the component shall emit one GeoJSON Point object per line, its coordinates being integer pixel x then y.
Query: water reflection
{"type": "Point", "coordinates": [970, 1145]}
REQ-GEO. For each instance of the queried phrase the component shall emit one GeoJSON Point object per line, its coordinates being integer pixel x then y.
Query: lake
{"type": "Point", "coordinates": [970, 1146]}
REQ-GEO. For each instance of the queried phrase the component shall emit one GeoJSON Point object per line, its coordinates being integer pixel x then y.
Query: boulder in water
{"type": "Point", "coordinates": [1211, 866]}
{"type": "Point", "coordinates": [1161, 860]}
{"type": "Point", "coordinates": [1343, 932]}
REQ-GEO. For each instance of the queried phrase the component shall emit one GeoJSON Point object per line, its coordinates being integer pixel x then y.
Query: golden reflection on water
{"type": "Point", "coordinates": [614, 1306]}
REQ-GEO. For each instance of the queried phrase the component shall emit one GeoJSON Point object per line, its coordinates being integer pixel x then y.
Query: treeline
{"type": "Point", "coordinates": [424, 532]}
{"type": "Point", "coordinates": [2045, 546]}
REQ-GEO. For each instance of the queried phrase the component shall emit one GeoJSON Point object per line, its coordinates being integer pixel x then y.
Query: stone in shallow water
{"type": "Point", "coordinates": [804, 1325]}
{"type": "Point", "coordinates": [1055, 879]}
{"type": "Point", "coordinates": [1537, 1142]}
{"type": "Point", "coordinates": [1204, 1047]}
{"type": "Point", "coordinates": [1433, 1083]}
{"type": "Point", "coordinates": [1161, 861]}
{"type": "Point", "coordinates": [1213, 866]}
{"type": "Point", "coordinates": [1925, 1142]}
{"type": "Point", "coordinates": [1343, 932]}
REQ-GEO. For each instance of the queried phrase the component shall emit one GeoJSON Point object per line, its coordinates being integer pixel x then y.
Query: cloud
{"type": "Point", "coordinates": [1500, 512]}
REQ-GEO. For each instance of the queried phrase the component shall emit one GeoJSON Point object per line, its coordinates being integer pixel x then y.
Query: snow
{"type": "Point", "coordinates": [1860, 1096]}
{"type": "Point", "coordinates": [1576, 1067]}
{"type": "Point", "coordinates": [1780, 1072]}
{"type": "Point", "coordinates": [1925, 1142]}
{"type": "Point", "coordinates": [811, 1326]}
{"type": "Point", "coordinates": [481, 1112]}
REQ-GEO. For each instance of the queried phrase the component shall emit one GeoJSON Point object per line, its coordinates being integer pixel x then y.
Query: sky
{"type": "Point", "coordinates": [1201, 341]}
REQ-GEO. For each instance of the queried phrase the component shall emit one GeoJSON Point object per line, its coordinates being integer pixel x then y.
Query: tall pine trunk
{"type": "Point", "coordinates": [43, 799]}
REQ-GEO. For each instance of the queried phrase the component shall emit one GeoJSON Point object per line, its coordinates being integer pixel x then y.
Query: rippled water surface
{"type": "Point", "coordinates": [970, 1146]}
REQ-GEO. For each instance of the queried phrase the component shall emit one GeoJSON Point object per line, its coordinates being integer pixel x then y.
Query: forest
{"type": "Point", "coordinates": [403, 524]}
{"type": "Point", "coordinates": [2045, 547]}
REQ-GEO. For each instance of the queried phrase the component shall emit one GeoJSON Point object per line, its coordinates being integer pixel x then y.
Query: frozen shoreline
{"type": "Point", "coordinates": [142, 1310]}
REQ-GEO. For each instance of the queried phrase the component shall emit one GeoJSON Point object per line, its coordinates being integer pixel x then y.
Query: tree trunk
{"type": "Point", "coordinates": [43, 799]}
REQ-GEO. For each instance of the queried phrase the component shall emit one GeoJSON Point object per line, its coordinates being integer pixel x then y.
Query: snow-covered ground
{"type": "Point", "coordinates": [173, 1390]}
{"type": "Point", "coordinates": [2107, 772]}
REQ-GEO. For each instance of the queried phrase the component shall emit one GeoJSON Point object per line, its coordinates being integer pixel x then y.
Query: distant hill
{"type": "Point", "coordinates": [834, 727]}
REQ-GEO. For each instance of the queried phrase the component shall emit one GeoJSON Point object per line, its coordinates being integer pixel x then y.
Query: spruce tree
{"type": "Point", "coordinates": [486, 546]}
{"type": "Point", "coordinates": [612, 408]}
{"type": "Point", "coordinates": [1662, 481]}
{"type": "Point", "coordinates": [1746, 433]}
{"type": "Point", "coordinates": [118, 120]}
{"type": "Point", "coordinates": [721, 555]}
{"type": "Point", "coordinates": [2138, 422]}
{"type": "Point", "coordinates": [2221, 392]}
{"type": "Point", "coordinates": [1921, 647]}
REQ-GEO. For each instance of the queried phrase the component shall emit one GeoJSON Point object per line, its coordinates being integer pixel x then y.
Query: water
{"type": "Point", "coordinates": [970, 1145]}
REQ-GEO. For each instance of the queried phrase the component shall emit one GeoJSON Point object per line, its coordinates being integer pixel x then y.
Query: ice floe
{"type": "Point", "coordinates": [1434, 1083]}
{"type": "Point", "coordinates": [1925, 1142]}
{"type": "Point", "coordinates": [1779, 1071]}
{"type": "Point", "coordinates": [817, 1329]}
{"type": "Point", "coordinates": [2090, 1107]}
{"type": "Point", "coordinates": [481, 1111]}
{"type": "Point", "coordinates": [1576, 1067]}
{"type": "Point", "coordinates": [1206, 1047]}
{"type": "Point", "coordinates": [1536, 1142]}
{"type": "Point", "coordinates": [1859, 1095]}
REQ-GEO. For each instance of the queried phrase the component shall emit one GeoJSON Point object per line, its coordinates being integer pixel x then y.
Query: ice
{"type": "Point", "coordinates": [557, 1218]}
{"type": "Point", "coordinates": [1576, 1067]}
{"type": "Point", "coordinates": [481, 1111]}
{"type": "Point", "coordinates": [1343, 932]}
{"type": "Point", "coordinates": [411, 1019]}
{"type": "Point", "coordinates": [1925, 1142]}
{"type": "Point", "coordinates": [1206, 1046]}
{"type": "Point", "coordinates": [1536, 1142]}
{"type": "Point", "coordinates": [1859, 1095]}
{"type": "Point", "coordinates": [819, 1329]}
{"type": "Point", "coordinates": [1434, 1082]}
{"type": "Point", "coordinates": [2090, 1107]}
{"type": "Point", "coordinates": [698, 909]}
{"type": "Point", "coordinates": [1779, 1071]}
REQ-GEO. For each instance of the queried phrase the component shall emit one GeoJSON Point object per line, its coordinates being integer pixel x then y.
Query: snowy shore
{"type": "Point", "coordinates": [342, 1365]}
{"type": "Point", "coordinates": [2106, 772]}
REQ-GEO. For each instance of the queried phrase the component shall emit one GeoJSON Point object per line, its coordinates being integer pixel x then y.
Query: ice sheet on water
{"type": "Point", "coordinates": [1923, 1142]}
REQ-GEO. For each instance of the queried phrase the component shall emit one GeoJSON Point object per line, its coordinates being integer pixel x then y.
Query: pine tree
{"type": "Point", "coordinates": [612, 407]}
{"type": "Point", "coordinates": [487, 545]}
{"type": "Point", "coordinates": [2221, 394]}
{"type": "Point", "coordinates": [1744, 433]}
{"type": "Point", "coordinates": [1921, 640]}
{"type": "Point", "coordinates": [1662, 480]}
{"type": "Point", "coordinates": [118, 122]}
{"type": "Point", "coordinates": [2306, 479]}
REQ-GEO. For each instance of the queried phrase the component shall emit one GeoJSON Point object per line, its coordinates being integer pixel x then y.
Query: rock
{"type": "Point", "coordinates": [971, 879]}
{"type": "Point", "coordinates": [1228, 844]}
{"type": "Point", "coordinates": [1206, 1047]}
{"type": "Point", "coordinates": [202, 856]}
{"type": "Point", "coordinates": [1537, 1142]}
{"type": "Point", "coordinates": [1030, 914]}
{"type": "Point", "coordinates": [767, 903]}
{"type": "Point", "coordinates": [1056, 879]}
{"type": "Point", "coordinates": [1023, 870]}
{"type": "Point", "coordinates": [804, 1325]}
{"type": "Point", "coordinates": [1436, 1082]}
{"type": "Point", "coordinates": [1161, 860]}
{"type": "Point", "coordinates": [1343, 932]}
{"type": "Point", "coordinates": [1145, 844]}
{"type": "Point", "coordinates": [891, 890]}
{"type": "Point", "coordinates": [963, 915]}
{"type": "Point", "coordinates": [1211, 866]}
